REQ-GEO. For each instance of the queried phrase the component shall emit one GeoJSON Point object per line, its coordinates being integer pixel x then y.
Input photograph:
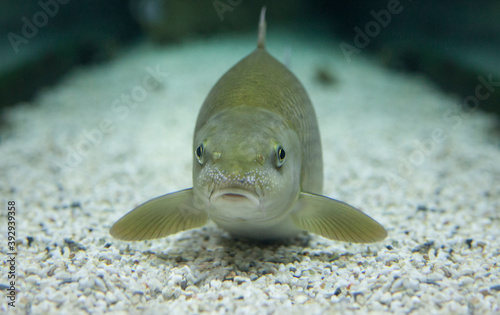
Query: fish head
{"type": "Point", "coordinates": [246, 166]}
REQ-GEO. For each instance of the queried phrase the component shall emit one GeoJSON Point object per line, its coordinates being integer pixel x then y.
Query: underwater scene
{"type": "Point", "coordinates": [249, 157]}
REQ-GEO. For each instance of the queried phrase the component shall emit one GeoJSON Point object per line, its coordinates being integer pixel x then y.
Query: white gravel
{"type": "Point", "coordinates": [441, 206]}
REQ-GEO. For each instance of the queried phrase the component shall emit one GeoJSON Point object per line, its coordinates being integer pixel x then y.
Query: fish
{"type": "Point", "coordinates": [257, 165]}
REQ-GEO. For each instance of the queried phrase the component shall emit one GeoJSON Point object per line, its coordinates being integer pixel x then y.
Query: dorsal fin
{"type": "Point", "coordinates": [261, 41]}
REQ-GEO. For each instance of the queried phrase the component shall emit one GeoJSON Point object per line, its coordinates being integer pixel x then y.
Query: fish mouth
{"type": "Point", "coordinates": [235, 195]}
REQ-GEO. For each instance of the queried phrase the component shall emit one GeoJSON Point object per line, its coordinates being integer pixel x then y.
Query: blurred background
{"type": "Point", "coordinates": [451, 42]}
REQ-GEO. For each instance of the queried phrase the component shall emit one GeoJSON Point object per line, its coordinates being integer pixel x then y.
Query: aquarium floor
{"type": "Point", "coordinates": [79, 157]}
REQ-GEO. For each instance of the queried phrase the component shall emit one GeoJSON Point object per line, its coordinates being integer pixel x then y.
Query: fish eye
{"type": "Point", "coordinates": [200, 152]}
{"type": "Point", "coordinates": [280, 156]}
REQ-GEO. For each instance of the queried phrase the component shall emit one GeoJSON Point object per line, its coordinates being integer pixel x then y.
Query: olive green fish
{"type": "Point", "coordinates": [257, 165]}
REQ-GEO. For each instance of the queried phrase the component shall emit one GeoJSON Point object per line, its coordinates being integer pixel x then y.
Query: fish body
{"type": "Point", "coordinates": [257, 165]}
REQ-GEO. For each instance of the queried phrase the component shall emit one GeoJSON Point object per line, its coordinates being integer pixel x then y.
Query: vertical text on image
{"type": "Point", "coordinates": [11, 253]}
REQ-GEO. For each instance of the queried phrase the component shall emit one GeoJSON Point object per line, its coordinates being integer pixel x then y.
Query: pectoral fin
{"type": "Point", "coordinates": [159, 217]}
{"type": "Point", "coordinates": [335, 220]}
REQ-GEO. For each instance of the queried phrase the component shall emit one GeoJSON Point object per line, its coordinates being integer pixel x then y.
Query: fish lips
{"type": "Point", "coordinates": [235, 196]}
